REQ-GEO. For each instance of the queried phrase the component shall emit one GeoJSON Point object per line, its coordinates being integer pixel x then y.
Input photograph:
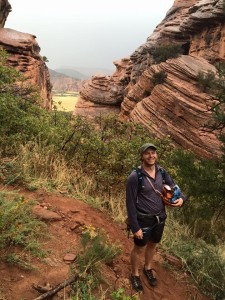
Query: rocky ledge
{"type": "Point", "coordinates": [24, 55]}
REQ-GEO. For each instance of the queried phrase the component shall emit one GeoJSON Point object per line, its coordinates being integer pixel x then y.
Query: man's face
{"type": "Point", "coordinates": [149, 157]}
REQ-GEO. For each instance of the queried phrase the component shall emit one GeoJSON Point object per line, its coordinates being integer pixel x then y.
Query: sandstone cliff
{"type": "Point", "coordinates": [24, 55]}
{"type": "Point", "coordinates": [104, 93]}
{"type": "Point", "coordinates": [176, 107]}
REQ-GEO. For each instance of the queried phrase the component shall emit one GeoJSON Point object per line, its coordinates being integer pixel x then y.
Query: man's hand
{"type": "Point", "coordinates": [179, 202]}
{"type": "Point", "coordinates": [138, 234]}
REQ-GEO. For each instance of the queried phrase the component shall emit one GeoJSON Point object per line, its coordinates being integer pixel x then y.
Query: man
{"type": "Point", "coordinates": [146, 212]}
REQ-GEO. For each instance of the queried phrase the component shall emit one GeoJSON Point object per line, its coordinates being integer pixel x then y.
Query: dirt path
{"type": "Point", "coordinates": [16, 284]}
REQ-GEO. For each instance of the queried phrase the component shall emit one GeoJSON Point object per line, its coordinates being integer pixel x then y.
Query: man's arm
{"type": "Point", "coordinates": [131, 199]}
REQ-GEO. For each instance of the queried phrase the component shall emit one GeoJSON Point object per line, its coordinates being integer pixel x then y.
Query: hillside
{"type": "Point", "coordinates": [83, 72]}
{"type": "Point", "coordinates": [65, 232]}
{"type": "Point", "coordinates": [63, 83]}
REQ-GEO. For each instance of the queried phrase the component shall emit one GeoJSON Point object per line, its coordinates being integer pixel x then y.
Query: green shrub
{"type": "Point", "coordinates": [120, 295]}
{"type": "Point", "coordinates": [19, 229]}
{"type": "Point", "coordinates": [205, 263]}
{"type": "Point", "coordinates": [166, 51]}
{"type": "Point", "coordinates": [206, 80]}
{"type": "Point", "coordinates": [159, 77]}
{"type": "Point", "coordinates": [96, 250]}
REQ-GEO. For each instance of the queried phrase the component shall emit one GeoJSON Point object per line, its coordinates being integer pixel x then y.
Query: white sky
{"type": "Point", "coordinates": [87, 33]}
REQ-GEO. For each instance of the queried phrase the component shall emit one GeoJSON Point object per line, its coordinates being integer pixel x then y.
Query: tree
{"type": "Point", "coordinates": [45, 59]}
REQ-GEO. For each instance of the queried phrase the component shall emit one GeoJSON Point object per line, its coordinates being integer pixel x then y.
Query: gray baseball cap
{"type": "Point", "coordinates": [146, 146]}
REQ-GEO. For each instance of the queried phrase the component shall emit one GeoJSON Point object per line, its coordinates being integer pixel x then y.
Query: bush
{"type": "Point", "coordinates": [159, 77]}
{"type": "Point", "coordinates": [166, 51]}
{"type": "Point", "coordinates": [205, 263]}
{"type": "Point", "coordinates": [96, 250]}
{"type": "Point", "coordinates": [19, 229]}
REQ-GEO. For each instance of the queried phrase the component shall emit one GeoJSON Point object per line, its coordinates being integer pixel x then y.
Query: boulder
{"type": "Point", "coordinates": [24, 55]}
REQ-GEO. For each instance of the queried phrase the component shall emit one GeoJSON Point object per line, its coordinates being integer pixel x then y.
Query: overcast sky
{"type": "Point", "coordinates": [87, 33]}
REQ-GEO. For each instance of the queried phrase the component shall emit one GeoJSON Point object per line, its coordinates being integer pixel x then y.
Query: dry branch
{"type": "Point", "coordinates": [59, 287]}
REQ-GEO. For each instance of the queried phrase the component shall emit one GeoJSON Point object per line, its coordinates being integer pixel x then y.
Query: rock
{"type": "Point", "coordinates": [177, 104]}
{"type": "Point", "coordinates": [24, 55]}
{"type": "Point", "coordinates": [74, 210]}
{"type": "Point", "coordinates": [69, 258]}
{"type": "Point", "coordinates": [74, 226]}
{"type": "Point", "coordinates": [103, 94]}
{"type": "Point", "coordinates": [46, 215]}
{"type": "Point", "coordinates": [174, 106]}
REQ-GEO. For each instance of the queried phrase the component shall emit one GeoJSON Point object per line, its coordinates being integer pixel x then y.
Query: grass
{"type": "Point", "coordinates": [96, 250]}
{"type": "Point", "coordinates": [65, 101]}
{"type": "Point", "coordinates": [204, 262]}
{"type": "Point", "coordinates": [20, 231]}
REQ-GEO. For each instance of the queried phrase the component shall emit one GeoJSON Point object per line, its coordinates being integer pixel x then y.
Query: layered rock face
{"type": "Point", "coordinates": [24, 55]}
{"type": "Point", "coordinates": [102, 93]}
{"type": "Point", "coordinates": [177, 107]}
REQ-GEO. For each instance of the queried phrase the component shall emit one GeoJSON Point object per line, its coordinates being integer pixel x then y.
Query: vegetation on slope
{"type": "Point", "coordinates": [92, 160]}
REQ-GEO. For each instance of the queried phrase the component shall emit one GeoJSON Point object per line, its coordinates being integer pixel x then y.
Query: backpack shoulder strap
{"type": "Point", "coordinates": [140, 178]}
{"type": "Point", "coordinates": [163, 173]}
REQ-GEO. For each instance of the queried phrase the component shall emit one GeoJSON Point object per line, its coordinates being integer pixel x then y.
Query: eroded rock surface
{"type": "Point", "coordinates": [103, 93]}
{"type": "Point", "coordinates": [178, 106]}
{"type": "Point", "coordinates": [24, 55]}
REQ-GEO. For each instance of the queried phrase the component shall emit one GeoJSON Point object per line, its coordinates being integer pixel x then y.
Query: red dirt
{"type": "Point", "coordinates": [16, 284]}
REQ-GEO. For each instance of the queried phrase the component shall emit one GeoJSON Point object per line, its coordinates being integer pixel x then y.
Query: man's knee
{"type": "Point", "coordinates": [151, 245]}
{"type": "Point", "coordinates": [138, 249]}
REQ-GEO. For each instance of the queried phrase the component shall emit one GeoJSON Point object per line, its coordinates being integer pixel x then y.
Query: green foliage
{"type": "Point", "coordinates": [166, 51]}
{"type": "Point", "coordinates": [97, 249]}
{"type": "Point", "coordinates": [159, 77]}
{"type": "Point", "coordinates": [8, 76]}
{"type": "Point", "coordinates": [120, 295]}
{"type": "Point", "coordinates": [206, 80]}
{"type": "Point", "coordinates": [205, 263]}
{"type": "Point", "coordinates": [205, 213]}
{"type": "Point", "coordinates": [19, 229]}
{"type": "Point", "coordinates": [45, 59]}
{"type": "Point", "coordinates": [214, 84]}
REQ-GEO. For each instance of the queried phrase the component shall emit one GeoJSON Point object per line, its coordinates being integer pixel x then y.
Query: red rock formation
{"type": "Point", "coordinates": [24, 55]}
{"type": "Point", "coordinates": [178, 104]}
{"type": "Point", "coordinates": [5, 9]}
{"type": "Point", "coordinates": [102, 91]}
{"type": "Point", "coordinates": [176, 108]}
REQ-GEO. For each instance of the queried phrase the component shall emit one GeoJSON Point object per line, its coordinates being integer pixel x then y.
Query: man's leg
{"type": "Point", "coordinates": [136, 253]}
{"type": "Point", "coordinates": [149, 253]}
